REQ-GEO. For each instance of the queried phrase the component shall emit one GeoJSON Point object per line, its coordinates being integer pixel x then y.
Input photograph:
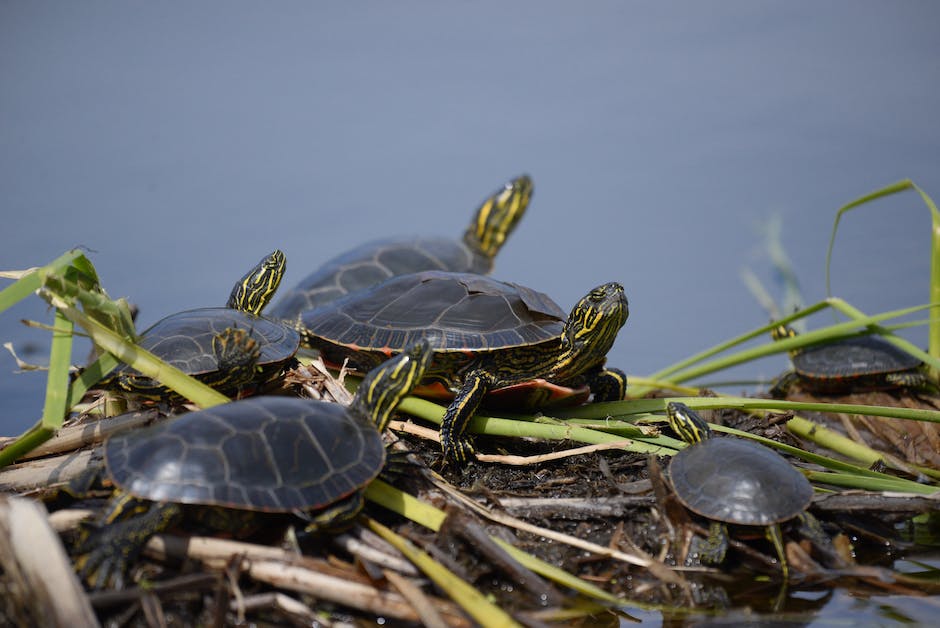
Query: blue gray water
{"type": "Point", "coordinates": [180, 142]}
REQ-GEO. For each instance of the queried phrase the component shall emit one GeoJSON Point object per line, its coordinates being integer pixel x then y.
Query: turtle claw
{"type": "Point", "coordinates": [99, 570]}
{"type": "Point", "coordinates": [459, 452]}
{"type": "Point", "coordinates": [100, 564]}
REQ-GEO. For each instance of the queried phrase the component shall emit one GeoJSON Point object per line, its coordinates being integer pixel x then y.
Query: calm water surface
{"type": "Point", "coordinates": [181, 143]}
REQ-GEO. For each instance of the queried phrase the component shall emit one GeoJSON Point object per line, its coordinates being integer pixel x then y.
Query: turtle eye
{"type": "Point", "coordinates": [598, 294]}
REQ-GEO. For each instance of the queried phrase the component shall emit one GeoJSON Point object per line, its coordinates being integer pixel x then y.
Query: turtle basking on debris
{"type": "Point", "coordinates": [228, 465]}
{"type": "Point", "coordinates": [734, 481]}
{"type": "Point", "coordinates": [485, 334]}
{"type": "Point", "coordinates": [227, 348]}
{"type": "Point", "coordinates": [854, 363]}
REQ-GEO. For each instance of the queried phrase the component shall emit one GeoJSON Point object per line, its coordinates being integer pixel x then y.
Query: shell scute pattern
{"type": "Point", "coordinates": [300, 455]}
{"type": "Point", "coordinates": [853, 357]}
{"type": "Point", "coordinates": [449, 313]}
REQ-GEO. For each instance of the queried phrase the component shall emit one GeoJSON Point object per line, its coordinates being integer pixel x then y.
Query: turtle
{"type": "Point", "coordinates": [228, 465]}
{"type": "Point", "coordinates": [735, 481]}
{"type": "Point", "coordinates": [853, 363]}
{"type": "Point", "coordinates": [372, 262]}
{"type": "Point", "coordinates": [228, 348]}
{"type": "Point", "coordinates": [486, 334]}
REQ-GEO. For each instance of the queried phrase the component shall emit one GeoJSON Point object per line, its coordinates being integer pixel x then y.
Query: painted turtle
{"type": "Point", "coordinates": [736, 481]}
{"type": "Point", "coordinates": [227, 348]}
{"type": "Point", "coordinates": [486, 334]}
{"type": "Point", "coordinates": [226, 464]}
{"type": "Point", "coordinates": [856, 363]}
{"type": "Point", "coordinates": [373, 262]}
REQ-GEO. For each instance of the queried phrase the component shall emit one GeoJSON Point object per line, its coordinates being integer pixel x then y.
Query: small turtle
{"type": "Point", "coordinates": [373, 262]}
{"type": "Point", "coordinates": [485, 334]}
{"type": "Point", "coordinates": [734, 481]}
{"type": "Point", "coordinates": [229, 464]}
{"type": "Point", "coordinates": [856, 363]}
{"type": "Point", "coordinates": [227, 348]}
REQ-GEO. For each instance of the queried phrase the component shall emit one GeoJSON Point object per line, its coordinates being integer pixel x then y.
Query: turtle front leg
{"type": "Point", "coordinates": [107, 552]}
{"type": "Point", "coordinates": [711, 550]}
{"type": "Point", "coordinates": [783, 384]}
{"type": "Point", "coordinates": [457, 448]}
{"type": "Point", "coordinates": [608, 384]}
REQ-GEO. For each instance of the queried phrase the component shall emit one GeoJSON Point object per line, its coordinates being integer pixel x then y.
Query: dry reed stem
{"type": "Point", "coordinates": [291, 571]}
{"type": "Point", "coordinates": [45, 472]}
{"type": "Point", "coordinates": [36, 568]}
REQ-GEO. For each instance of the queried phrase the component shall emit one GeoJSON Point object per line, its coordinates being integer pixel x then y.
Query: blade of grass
{"type": "Point", "coordinates": [638, 386]}
{"type": "Point", "coordinates": [91, 375]}
{"type": "Point", "coordinates": [57, 388]}
{"type": "Point", "coordinates": [832, 332]}
{"type": "Point", "coordinates": [471, 600]}
{"type": "Point", "coordinates": [432, 518]}
{"type": "Point", "coordinates": [724, 346]}
{"type": "Point", "coordinates": [32, 280]}
{"type": "Point", "coordinates": [891, 485]}
{"type": "Point", "coordinates": [641, 406]}
{"type": "Point", "coordinates": [636, 406]}
{"type": "Point", "coordinates": [834, 441]}
{"type": "Point", "coordinates": [887, 333]}
{"type": "Point", "coordinates": [934, 292]}
{"type": "Point", "coordinates": [493, 426]}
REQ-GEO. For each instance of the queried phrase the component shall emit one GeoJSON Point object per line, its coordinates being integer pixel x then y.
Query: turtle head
{"type": "Point", "coordinates": [497, 216]}
{"type": "Point", "coordinates": [781, 331]}
{"type": "Point", "coordinates": [388, 383]}
{"type": "Point", "coordinates": [687, 423]}
{"type": "Point", "coordinates": [254, 291]}
{"type": "Point", "coordinates": [594, 322]}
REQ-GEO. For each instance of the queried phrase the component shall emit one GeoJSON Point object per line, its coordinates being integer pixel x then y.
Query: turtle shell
{"type": "Point", "coordinates": [269, 454]}
{"type": "Point", "coordinates": [372, 263]}
{"type": "Point", "coordinates": [739, 482]}
{"type": "Point", "coordinates": [184, 340]}
{"type": "Point", "coordinates": [852, 359]}
{"type": "Point", "coordinates": [456, 312]}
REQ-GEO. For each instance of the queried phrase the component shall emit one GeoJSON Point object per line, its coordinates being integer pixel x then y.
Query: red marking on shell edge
{"type": "Point", "coordinates": [534, 394]}
{"type": "Point", "coordinates": [434, 390]}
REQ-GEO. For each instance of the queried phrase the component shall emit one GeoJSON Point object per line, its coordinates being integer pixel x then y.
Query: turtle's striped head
{"type": "Point", "coordinates": [779, 332]}
{"type": "Point", "coordinates": [254, 291]}
{"type": "Point", "coordinates": [387, 384]}
{"type": "Point", "coordinates": [498, 215]}
{"type": "Point", "coordinates": [595, 321]}
{"type": "Point", "coordinates": [687, 423]}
